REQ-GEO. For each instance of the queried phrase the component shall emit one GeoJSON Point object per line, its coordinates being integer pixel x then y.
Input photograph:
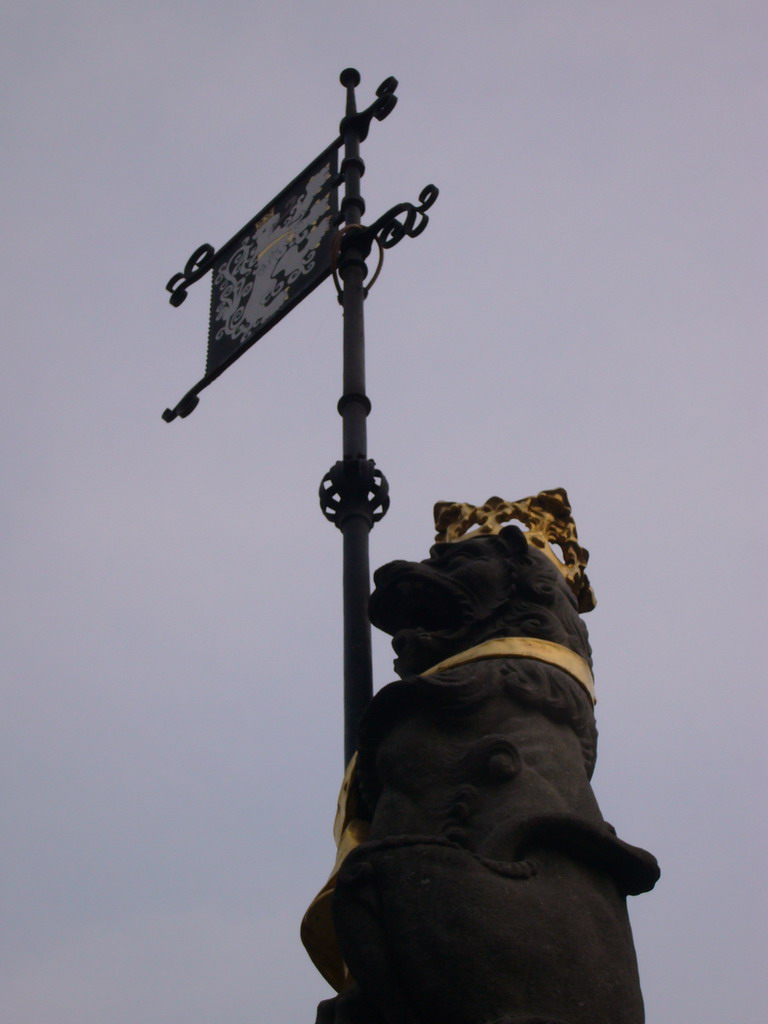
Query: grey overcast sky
{"type": "Point", "coordinates": [586, 309]}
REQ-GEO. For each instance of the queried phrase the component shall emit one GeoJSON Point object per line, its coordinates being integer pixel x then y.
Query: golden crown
{"type": "Point", "coordinates": [548, 523]}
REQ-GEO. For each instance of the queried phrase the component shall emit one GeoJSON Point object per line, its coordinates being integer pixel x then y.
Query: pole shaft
{"type": "Point", "coordinates": [355, 406]}
{"type": "Point", "coordinates": [358, 675]}
{"type": "Point", "coordinates": [358, 672]}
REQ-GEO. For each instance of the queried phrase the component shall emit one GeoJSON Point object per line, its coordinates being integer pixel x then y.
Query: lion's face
{"type": "Point", "coordinates": [435, 608]}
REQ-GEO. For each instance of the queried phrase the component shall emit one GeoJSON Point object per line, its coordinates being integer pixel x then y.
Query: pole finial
{"type": "Point", "coordinates": [350, 76]}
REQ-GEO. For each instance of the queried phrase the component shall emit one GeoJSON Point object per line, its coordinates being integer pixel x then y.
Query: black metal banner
{"type": "Point", "coordinates": [274, 261]}
{"type": "Point", "coordinates": [266, 269]}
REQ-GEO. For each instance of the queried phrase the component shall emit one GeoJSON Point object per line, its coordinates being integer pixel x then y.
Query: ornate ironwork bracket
{"type": "Point", "coordinates": [400, 221]}
{"type": "Point", "coordinates": [389, 229]}
{"type": "Point", "coordinates": [197, 266]}
{"type": "Point", "coordinates": [382, 106]}
{"type": "Point", "coordinates": [354, 487]}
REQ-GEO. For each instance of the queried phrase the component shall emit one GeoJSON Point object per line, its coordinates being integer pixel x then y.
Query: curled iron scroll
{"type": "Point", "coordinates": [381, 107]}
{"type": "Point", "coordinates": [197, 266]}
{"type": "Point", "coordinates": [404, 219]}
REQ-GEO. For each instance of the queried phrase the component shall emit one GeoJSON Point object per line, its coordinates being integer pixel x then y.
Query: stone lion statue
{"type": "Point", "coordinates": [488, 889]}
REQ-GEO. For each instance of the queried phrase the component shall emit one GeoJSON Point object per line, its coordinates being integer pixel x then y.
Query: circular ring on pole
{"type": "Point", "coordinates": [336, 252]}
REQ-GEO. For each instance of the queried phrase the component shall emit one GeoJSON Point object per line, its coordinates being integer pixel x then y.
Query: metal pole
{"type": "Point", "coordinates": [354, 407]}
{"type": "Point", "coordinates": [354, 493]}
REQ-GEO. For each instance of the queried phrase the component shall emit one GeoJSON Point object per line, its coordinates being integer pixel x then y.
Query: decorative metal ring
{"type": "Point", "coordinates": [354, 487]}
{"type": "Point", "coordinates": [336, 251]}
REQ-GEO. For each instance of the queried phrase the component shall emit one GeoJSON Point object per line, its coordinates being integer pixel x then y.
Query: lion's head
{"type": "Point", "coordinates": [469, 591]}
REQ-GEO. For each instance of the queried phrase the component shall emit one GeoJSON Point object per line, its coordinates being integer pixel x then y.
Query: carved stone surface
{"type": "Point", "coordinates": [490, 889]}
